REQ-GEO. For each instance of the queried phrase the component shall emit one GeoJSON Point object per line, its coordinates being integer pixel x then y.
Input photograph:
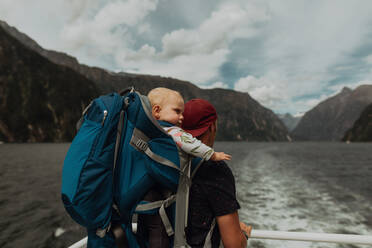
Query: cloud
{"type": "Point", "coordinates": [217, 32]}
{"type": "Point", "coordinates": [197, 54]}
{"type": "Point", "coordinates": [220, 85]}
{"type": "Point", "coordinates": [283, 96]}
{"type": "Point", "coordinates": [368, 59]}
{"type": "Point", "coordinates": [195, 67]}
{"type": "Point", "coordinates": [106, 31]}
{"type": "Point", "coordinates": [299, 114]}
{"type": "Point", "coordinates": [310, 103]}
{"type": "Point", "coordinates": [337, 88]}
{"type": "Point", "coordinates": [41, 21]}
{"type": "Point", "coordinates": [304, 52]}
{"type": "Point", "coordinates": [106, 34]}
{"type": "Point", "coordinates": [286, 54]}
{"type": "Point", "coordinates": [262, 89]}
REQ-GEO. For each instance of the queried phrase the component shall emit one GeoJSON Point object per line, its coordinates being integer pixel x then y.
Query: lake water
{"type": "Point", "coordinates": [313, 187]}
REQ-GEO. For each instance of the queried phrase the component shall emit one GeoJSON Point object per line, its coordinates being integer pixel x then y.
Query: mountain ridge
{"type": "Point", "coordinates": [39, 100]}
{"type": "Point", "coordinates": [331, 118]}
{"type": "Point", "coordinates": [240, 116]}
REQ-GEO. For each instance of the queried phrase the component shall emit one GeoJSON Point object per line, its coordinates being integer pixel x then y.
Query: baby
{"type": "Point", "coordinates": [167, 107]}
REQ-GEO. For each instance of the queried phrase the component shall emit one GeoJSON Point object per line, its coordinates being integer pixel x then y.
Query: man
{"type": "Point", "coordinates": [213, 215]}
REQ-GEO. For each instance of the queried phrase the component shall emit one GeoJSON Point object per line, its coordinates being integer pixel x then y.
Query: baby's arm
{"type": "Point", "coordinates": [195, 147]}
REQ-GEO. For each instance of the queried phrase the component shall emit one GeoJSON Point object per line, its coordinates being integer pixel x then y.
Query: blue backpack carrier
{"type": "Point", "coordinates": [119, 153]}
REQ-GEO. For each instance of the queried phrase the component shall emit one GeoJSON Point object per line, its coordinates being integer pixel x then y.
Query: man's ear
{"type": "Point", "coordinates": [156, 111]}
{"type": "Point", "coordinates": [213, 127]}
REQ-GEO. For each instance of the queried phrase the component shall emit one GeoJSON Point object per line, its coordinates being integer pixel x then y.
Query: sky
{"type": "Point", "coordinates": [288, 55]}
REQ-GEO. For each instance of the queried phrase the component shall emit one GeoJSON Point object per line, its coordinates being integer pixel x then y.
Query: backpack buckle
{"type": "Point", "coordinates": [141, 144]}
{"type": "Point", "coordinates": [101, 232]}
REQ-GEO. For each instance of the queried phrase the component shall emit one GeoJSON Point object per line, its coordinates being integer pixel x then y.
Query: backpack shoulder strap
{"type": "Point", "coordinates": [139, 141]}
{"type": "Point", "coordinates": [119, 130]}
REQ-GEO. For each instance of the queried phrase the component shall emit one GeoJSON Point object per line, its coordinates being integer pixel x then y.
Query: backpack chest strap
{"type": "Point", "coordinates": [161, 205]}
{"type": "Point", "coordinates": [140, 141]}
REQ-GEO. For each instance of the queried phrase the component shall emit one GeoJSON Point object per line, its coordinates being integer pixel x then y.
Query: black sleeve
{"type": "Point", "coordinates": [217, 183]}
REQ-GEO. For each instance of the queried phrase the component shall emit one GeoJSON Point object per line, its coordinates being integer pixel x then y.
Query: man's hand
{"type": "Point", "coordinates": [218, 156]}
{"type": "Point", "coordinates": [246, 229]}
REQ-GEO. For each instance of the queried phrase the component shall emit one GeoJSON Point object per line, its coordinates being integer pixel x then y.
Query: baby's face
{"type": "Point", "coordinates": [172, 110]}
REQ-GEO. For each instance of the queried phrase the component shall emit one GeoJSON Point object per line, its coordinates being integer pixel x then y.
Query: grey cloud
{"type": "Point", "coordinates": [302, 49]}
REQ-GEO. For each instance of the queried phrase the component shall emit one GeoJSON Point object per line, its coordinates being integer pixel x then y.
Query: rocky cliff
{"type": "Point", "coordinates": [362, 128]}
{"type": "Point", "coordinates": [240, 116]}
{"type": "Point", "coordinates": [329, 120]}
{"type": "Point", "coordinates": [39, 100]}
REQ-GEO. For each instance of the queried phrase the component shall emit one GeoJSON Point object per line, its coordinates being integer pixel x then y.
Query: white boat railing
{"type": "Point", "coordinates": [292, 236]}
{"type": "Point", "coordinates": [313, 237]}
{"type": "Point", "coordinates": [80, 244]}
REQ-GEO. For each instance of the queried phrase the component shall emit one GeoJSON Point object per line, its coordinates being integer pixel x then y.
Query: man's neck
{"type": "Point", "coordinates": [206, 138]}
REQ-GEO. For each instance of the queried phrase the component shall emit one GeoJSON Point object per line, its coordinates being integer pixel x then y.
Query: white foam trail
{"type": "Point", "coordinates": [274, 199]}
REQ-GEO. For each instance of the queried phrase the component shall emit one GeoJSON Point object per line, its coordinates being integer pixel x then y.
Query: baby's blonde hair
{"type": "Point", "coordinates": [159, 96]}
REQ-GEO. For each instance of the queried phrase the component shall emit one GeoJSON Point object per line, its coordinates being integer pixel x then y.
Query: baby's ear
{"type": "Point", "coordinates": [156, 111]}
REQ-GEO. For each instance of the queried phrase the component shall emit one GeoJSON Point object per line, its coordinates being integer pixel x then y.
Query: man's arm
{"type": "Point", "coordinates": [231, 234]}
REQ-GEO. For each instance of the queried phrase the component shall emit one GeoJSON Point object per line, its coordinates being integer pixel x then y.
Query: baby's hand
{"type": "Point", "coordinates": [218, 156]}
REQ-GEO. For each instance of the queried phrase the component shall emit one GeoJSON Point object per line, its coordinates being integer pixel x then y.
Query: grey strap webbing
{"type": "Point", "coordinates": [159, 159]}
{"type": "Point", "coordinates": [118, 136]}
{"type": "Point", "coordinates": [182, 203]}
{"type": "Point", "coordinates": [117, 145]}
{"type": "Point", "coordinates": [163, 214]}
{"type": "Point", "coordinates": [162, 205]}
{"type": "Point", "coordinates": [118, 232]}
{"type": "Point", "coordinates": [182, 199]}
{"type": "Point", "coordinates": [102, 232]}
{"type": "Point", "coordinates": [119, 130]}
{"type": "Point", "coordinates": [81, 120]}
{"type": "Point", "coordinates": [208, 239]}
{"type": "Point", "coordinates": [149, 206]}
{"type": "Point", "coordinates": [139, 141]}
{"type": "Point", "coordinates": [146, 105]}
{"type": "Point", "coordinates": [164, 218]}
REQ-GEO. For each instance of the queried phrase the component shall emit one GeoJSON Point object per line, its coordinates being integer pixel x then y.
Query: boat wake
{"type": "Point", "coordinates": [276, 194]}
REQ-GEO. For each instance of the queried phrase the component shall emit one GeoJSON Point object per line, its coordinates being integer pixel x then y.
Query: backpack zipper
{"type": "Point", "coordinates": [104, 116]}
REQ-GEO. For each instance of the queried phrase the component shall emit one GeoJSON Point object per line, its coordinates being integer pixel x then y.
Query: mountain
{"type": "Point", "coordinates": [240, 116]}
{"type": "Point", "coordinates": [39, 100]}
{"type": "Point", "coordinates": [362, 128]}
{"type": "Point", "coordinates": [289, 121]}
{"type": "Point", "coordinates": [329, 120]}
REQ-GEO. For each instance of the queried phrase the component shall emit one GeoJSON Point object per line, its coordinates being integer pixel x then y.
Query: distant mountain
{"type": "Point", "coordinates": [240, 116]}
{"type": "Point", "coordinates": [329, 120]}
{"type": "Point", "coordinates": [362, 128]}
{"type": "Point", "coordinates": [289, 121]}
